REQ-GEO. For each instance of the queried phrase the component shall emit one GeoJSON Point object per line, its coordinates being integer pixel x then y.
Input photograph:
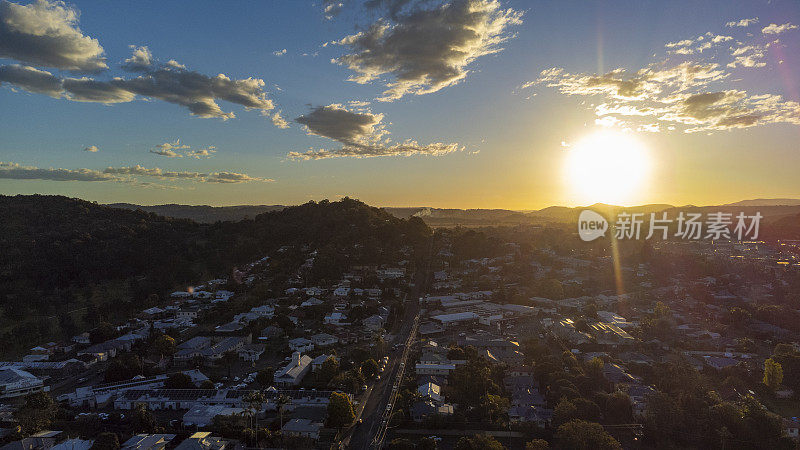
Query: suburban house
{"type": "Point", "coordinates": [304, 428]}
{"type": "Point", "coordinates": [301, 345]}
{"type": "Point", "coordinates": [324, 340]}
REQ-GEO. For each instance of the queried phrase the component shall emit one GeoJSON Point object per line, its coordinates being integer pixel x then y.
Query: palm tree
{"type": "Point", "coordinates": [281, 401]}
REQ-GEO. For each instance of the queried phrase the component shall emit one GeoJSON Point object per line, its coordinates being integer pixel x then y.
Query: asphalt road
{"type": "Point", "coordinates": [361, 436]}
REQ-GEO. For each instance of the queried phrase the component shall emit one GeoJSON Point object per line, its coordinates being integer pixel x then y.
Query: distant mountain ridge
{"type": "Point", "coordinates": [772, 209]}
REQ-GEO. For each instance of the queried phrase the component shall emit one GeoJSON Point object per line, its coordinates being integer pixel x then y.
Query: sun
{"type": "Point", "coordinates": [606, 167]}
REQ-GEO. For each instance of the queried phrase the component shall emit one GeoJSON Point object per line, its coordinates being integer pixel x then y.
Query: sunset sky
{"type": "Point", "coordinates": [461, 103]}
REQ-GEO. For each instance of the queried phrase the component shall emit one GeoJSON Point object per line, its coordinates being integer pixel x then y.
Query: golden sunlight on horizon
{"type": "Point", "coordinates": [606, 167]}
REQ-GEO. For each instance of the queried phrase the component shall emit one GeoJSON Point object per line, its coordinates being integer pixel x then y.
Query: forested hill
{"type": "Point", "coordinates": [202, 213]}
{"type": "Point", "coordinates": [60, 255]}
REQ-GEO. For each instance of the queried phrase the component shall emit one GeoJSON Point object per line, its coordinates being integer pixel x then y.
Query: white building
{"type": "Point", "coordinates": [17, 383]}
{"type": "Point", "coordinates": [293, 373]}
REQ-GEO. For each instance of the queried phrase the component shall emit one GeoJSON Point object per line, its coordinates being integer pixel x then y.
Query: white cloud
{"type": "Point", "coordinates": [279, 52]}
{"type": "Point", "coordinates": [742, 22]}
{"type": "Point", "coordinates": [46, 34]}
{"type": "Point", "coordinates": [91, 149]}
{"type": "Point", "coordinates": [140, 61]}
{"type": "Point", "coordinates": [778, 29]}
{"type": "Point", "coordinates": [178, 150]}
{"type": "Point", "coordinates": [279, 121]}
{"type": "Point", "coordinates": [425, 50]}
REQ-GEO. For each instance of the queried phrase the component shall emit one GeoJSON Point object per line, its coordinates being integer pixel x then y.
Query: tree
{"type": "Point", "coordinates": [618, 408]}
{"type": "Point", "coordinates": [280, 403]}
{"type": "Point", "coordinates": [427, 443]}
{"type": "Point", "coordinates": [564, 412]}
{"type": "Point", "coordinates": [773, 374]}
{"type": "Point", "coordinates": [369, 368]}
{"type": "Point", "coordinates": [328, 370]}
{"type": "Point", "coordinates": [142, 420]}
{"type": "Point", "coordinates": [265, 377]}
{"type": "Point", "coordinates": [37, 413]}
{"type": "Point", "coordinates": [164, 345]}
{"type": "Point", "coordinates": [227, 360]}
{"type": "Point", "coordinates": [103, 332]}
{"type": "Point", "coordinates": [537, 444]}
{"type": "Point", "coordinates": [179, 381]}
{"type": "Point", "coordinates": [478, 442]}
{"type": "Point", "coordinates": [661, 310]}
{"type": "Point", "coordinates": [124, 367]}
{"type": "Point", "coordinates": [401, 444]}
{"type": "Point", "coordinates": [207, 384]}
{"type": "Point", "coordinates": [105, 441]}
{"type": "Point", "coordinates": [340, 410]}
{"type": "Point", "coordinates": [583, 435]}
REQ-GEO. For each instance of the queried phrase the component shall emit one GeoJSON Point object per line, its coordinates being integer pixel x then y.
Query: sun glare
{"type": "Point", "coordinates": [607, 167]}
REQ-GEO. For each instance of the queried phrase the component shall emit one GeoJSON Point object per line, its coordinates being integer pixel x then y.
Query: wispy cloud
{"type": "Point", "coordinates": [10, 170]}
{"type": "Point", "coordinates": [680, 92]}
{"type": "Point", "coordinates": [774, 28]}
{"type": "Point", "coordinates": [178, 150]}
{"type": "Point", "coordinates": [742, 23]}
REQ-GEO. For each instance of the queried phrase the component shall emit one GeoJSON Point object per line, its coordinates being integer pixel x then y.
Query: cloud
{"type": "Point", "coordinates": [331, 8]}
{"type": "Point", "coordinates": [14, 171]}
{"type": "Point", "coordinates": [337, 123]}
{"type": "Point", "coordinates": [681, 92]}
{"type": "Point", "coordinates": [742, 23]}
{"type": "Point", "coordinates": [778, 29]}
{"type": "Point", "coordinates": [279, 52]}
{"type": "Point", "coordinates": [157, 173]}
{"type": "Point", "coordinates": [46, 34]}
{"type": "Point", "coordinates": [91, 149]}
{"type": "Point", "coordinates": [93, 91]}
{"type": "Point", "coordinates": [362, 135]}
{"type": "Point", "coordinates": [201, 153]}
{"type": "Point", "coordinates": [178, 150]}
{"type": "Point", "coordinates": [279, 121]}
{"type": "Point", "coordinates": [140, 61]}
{"type": "Point", "coordinates": [672, 95]}
{"type": "Point", "coordinates": [748, 56]}
{"type": "Point", "coordinates": [426, 50]}
{"type": "Point", "coordinates": [197, 92]}
{"type": "Point", "coordinates": [31, 80]}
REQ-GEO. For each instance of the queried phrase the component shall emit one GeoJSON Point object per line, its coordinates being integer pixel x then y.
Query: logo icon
{"type": "Point", "coordinates": [591, 225]}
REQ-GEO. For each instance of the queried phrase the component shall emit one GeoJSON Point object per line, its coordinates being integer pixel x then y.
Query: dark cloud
{"type": "Point", "coordinates": [340, 124]}
{"type": "Point", "coordinates": [31, 79]}
{"type": "Point", "coordinates": [427, 49]}
{"type": "Point", "coordinates": [46, 34]}
{"type": "Point", "coordinates": [197, 92]}
{"type": "Point", "coordinates": [361, 133]}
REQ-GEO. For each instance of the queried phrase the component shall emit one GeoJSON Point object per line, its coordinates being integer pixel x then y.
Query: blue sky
{"type": "Point", "coordinates": [499, 144]}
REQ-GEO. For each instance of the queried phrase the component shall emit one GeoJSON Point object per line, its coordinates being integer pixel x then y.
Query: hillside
{"type": "Point", "coordinates": [66, 264]}
{"type": "Point", "coordinates": [203, 213]}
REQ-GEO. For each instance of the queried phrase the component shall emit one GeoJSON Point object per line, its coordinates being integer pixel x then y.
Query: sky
{"type": "Point", "coordinates": [514, 104]}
